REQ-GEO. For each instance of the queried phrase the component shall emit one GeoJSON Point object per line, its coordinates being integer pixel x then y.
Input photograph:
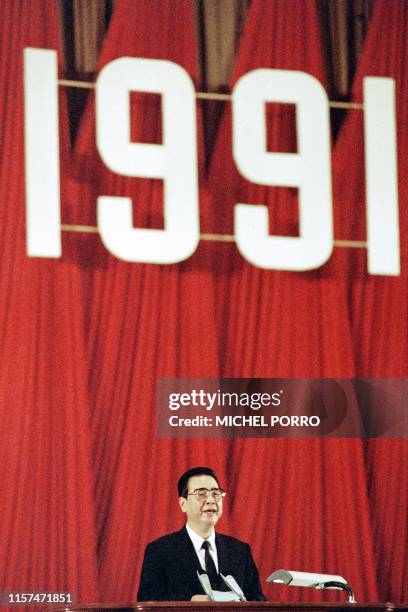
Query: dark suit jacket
{"type": "Point", "coordinates": [170, 565]}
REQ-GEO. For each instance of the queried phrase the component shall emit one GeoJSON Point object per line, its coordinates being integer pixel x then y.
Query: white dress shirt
{"type": "Point", "coordinates": [197, 541]}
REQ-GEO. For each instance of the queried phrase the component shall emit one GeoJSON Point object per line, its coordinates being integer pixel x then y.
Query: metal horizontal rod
{"type": "Point", "coordinates": [90, 229]}
{"type": "Point", "coordinates": [80, 84]}
{"type": "Point", "coordinates": [82, 229]}
{"type": "Point", "coordinates": [201, 95]}
{"type": "Point", "coordinates": [354, 244]}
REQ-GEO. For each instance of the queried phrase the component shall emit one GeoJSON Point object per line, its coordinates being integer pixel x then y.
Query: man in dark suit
{"type": "Point", "coordinates": [171, 563]}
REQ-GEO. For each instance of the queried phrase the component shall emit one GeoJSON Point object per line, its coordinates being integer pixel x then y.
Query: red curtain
{"type": "Point", "coordinates": [378, 305]}
{"type": "Point", "coordinates": [144, 322]}
{"type": "Point", "coordinates": [86, 482]}
{"type": "Point", "coordinates": [47, 532]}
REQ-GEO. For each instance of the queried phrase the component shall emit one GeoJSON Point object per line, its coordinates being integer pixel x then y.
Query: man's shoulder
{"type": "Point", "coordinates": [230, 541]}
{"type": "Point", "coordinates": [168, 540]}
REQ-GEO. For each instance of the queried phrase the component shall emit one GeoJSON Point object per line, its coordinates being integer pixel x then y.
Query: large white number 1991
{"type": "Point", "coordinates": [175, 162]}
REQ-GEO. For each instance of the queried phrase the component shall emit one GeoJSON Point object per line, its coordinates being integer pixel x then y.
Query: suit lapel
{"type": "Point", "coordinates": [188, 557]}
{"type": "Point", "coordinates": [225, 558]}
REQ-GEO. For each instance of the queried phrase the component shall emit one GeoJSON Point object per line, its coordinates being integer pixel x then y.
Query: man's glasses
{"type": "Point", "coordinates": [203, 494]}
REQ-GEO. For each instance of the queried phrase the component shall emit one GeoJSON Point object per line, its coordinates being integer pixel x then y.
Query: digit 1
{"type": "Point", "coordinates": [381, 176]}
{"type": "Point", "coordinates": [43, 215]}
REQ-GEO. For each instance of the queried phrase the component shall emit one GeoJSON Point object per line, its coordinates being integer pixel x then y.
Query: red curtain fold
{"type": "Point", "coordinates": [274, 308]}
{"type": "Point", "coordinates": [313, 500]}
{"type": "Point", "coordinates": [378, 305]}
{"type": "Point", "coordinates": [144, 322]}
{"type": "Point", "coordinates": [47, 533]}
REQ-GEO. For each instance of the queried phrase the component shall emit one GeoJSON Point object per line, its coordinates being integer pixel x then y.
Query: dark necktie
{"type": "Point", "coordinates": [210, 566]}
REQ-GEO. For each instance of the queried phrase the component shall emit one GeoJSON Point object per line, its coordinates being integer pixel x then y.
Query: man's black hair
{"type": "Point", "coordinates": [182, 485]}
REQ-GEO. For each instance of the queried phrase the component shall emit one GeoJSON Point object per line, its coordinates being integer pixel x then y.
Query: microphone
{"type": "Point", "coordinates": [233, 585]}
{"type": "Point", "coordinates": [205, 583]}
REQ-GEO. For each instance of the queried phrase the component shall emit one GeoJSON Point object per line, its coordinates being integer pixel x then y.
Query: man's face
{"type": "Point", "coordinates": [202, 515]}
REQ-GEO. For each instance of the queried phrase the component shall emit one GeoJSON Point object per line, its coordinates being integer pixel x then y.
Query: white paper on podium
{"type": "Point", "coordinates": [225, 596]}
{"type": "Point", "coordinates": [233, 585]}
{"type": "Point", "coordinates": [216, 595]}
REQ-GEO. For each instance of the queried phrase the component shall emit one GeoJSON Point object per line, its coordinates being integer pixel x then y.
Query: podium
{"type": "Point", "coordinates": [249, 606]}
